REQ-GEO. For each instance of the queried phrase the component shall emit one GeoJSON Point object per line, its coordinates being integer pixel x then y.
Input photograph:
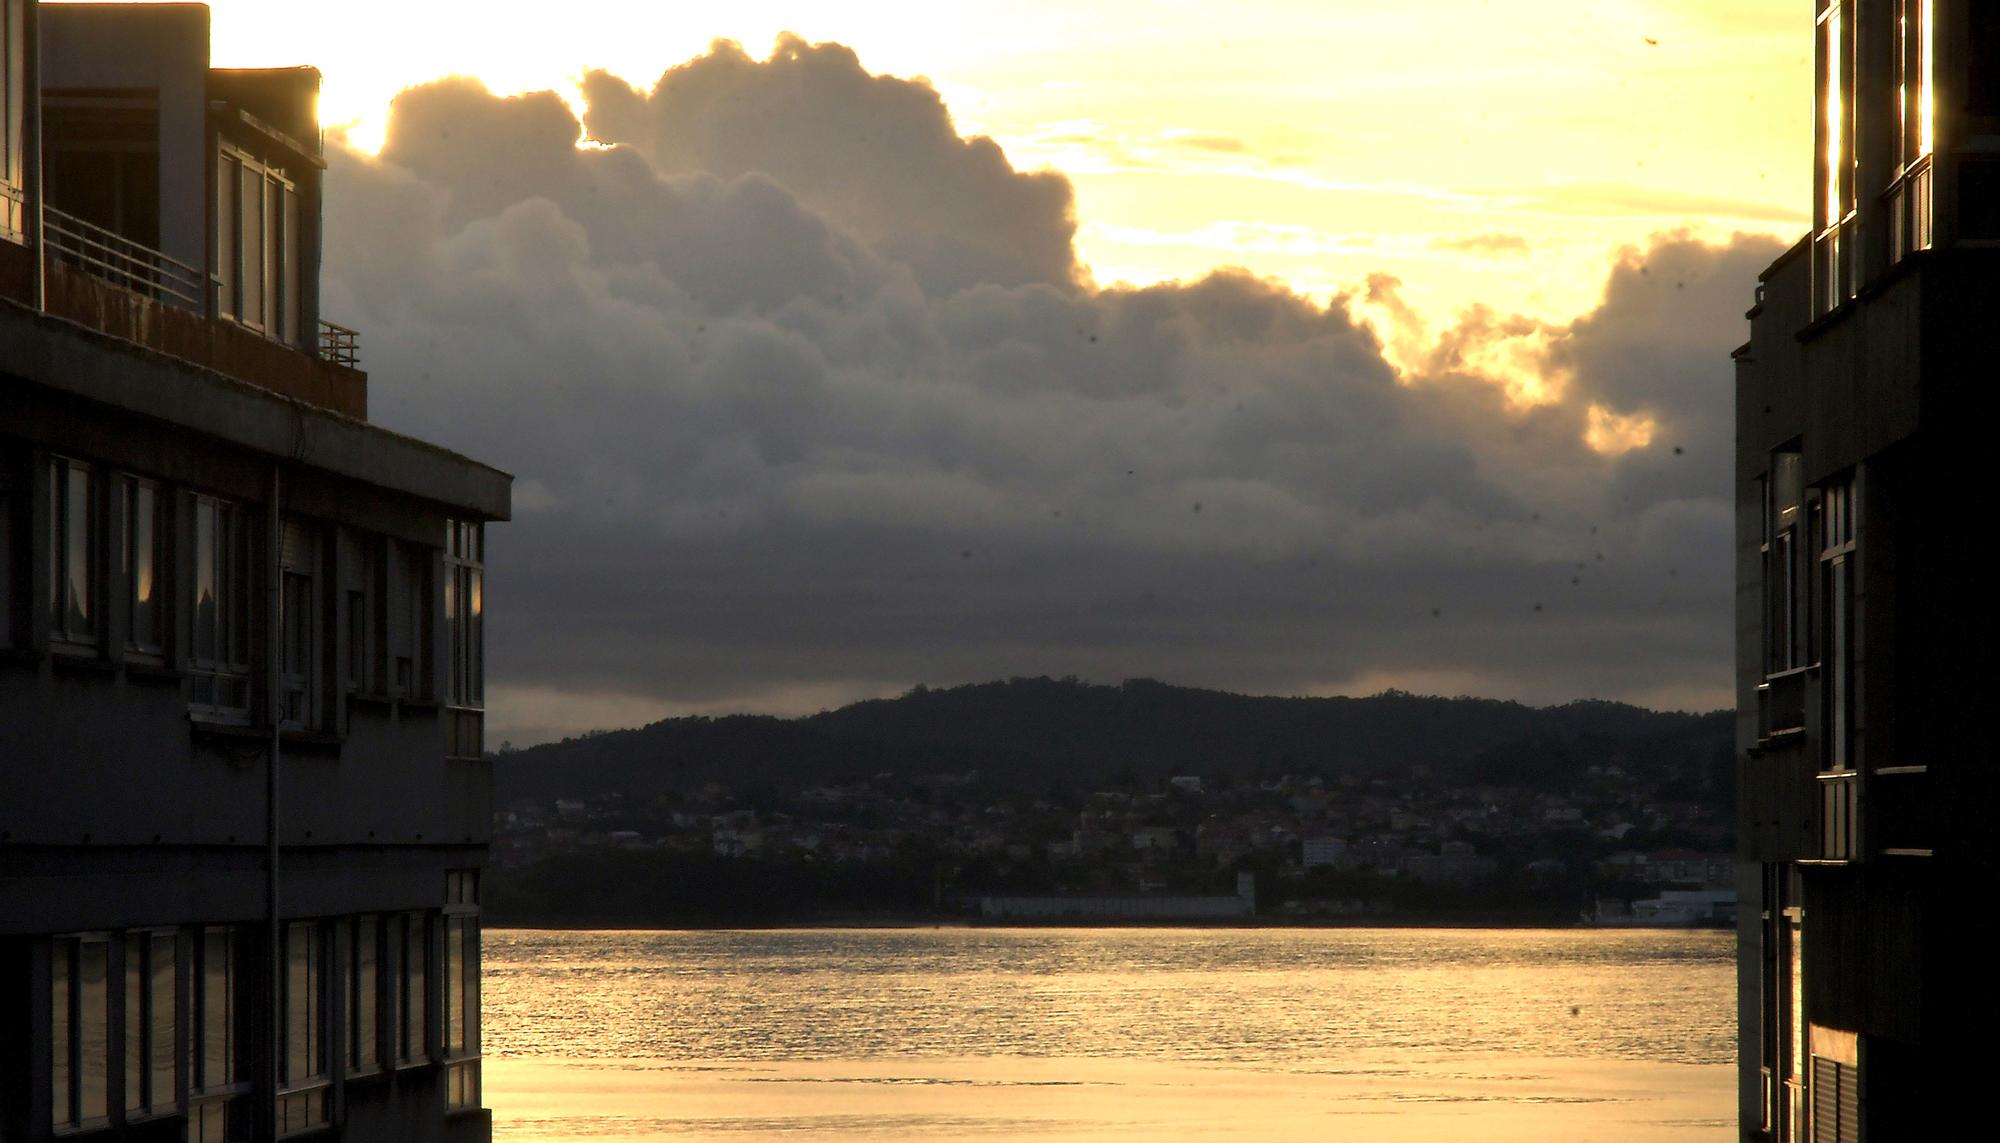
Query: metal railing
{"type": "Point", "coordinates": [117, 259]}
{"type": "Point", "coordinates": [339, 344]}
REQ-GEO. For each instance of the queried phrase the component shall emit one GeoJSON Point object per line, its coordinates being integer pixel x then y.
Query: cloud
{"type": "Point", "coordinates": [1198, 141]}
{"type": "Point", "coordinates": [877, 152]}
{"type": "Point", "coordinates": [1614, 199]}
{"type": "Point", "coordinates": [1491, 245]}
{"type": "Point", "coordinates": [808, 397]}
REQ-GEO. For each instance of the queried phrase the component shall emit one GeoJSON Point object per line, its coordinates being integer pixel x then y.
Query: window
{"type": "Point", "coordinates": [1784, 646]}
{"type": "Point", "coordinates": [1834, 538]}
{"type": "Point", "coordinates": [298, 607]}
{"type": "Point", "coordinates": [1781, 698]}
{"type": "Point", "coordinates": [140, 563]}
{"type": "Point", "coordinates": [359, 644]}
{"type": "Point", "coordinates": [13, 108]}
{"type": "Point", "coordinates": [1836, 620]}
{"type": "Point", "coordinates": [72, 554]}
{"type": "Point", "coordinates": [216, 1081]}
{"type": "Point", "coordinates": [410, 631]}
{"type": "Point", "coordinates": [79, 1033]}
{"type": "Point", "coordinates": [302, 1101]}
{"type": "Point", "coordinates": [150, 974]}
{"type": "Point", "coordinates": [464, 607]}
{"type": "Point", "coordinates": [1834, 248]}
{"type": "Point", "coordinates": [219, 659]}
{"type": "Point", "coordinates": [461, 988]}
{"type": "Point", "coordinates": [257, 245]}
{"type": "Point", "coordinates": [1916, 117]}
{"type": "Point", "coordinates": [411, 932]}
{"type": "Point", "coordinates": [363, 996]}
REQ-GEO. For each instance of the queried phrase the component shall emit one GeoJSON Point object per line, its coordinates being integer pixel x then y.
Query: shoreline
{"type": "Point", "coordinates": [600, 924]}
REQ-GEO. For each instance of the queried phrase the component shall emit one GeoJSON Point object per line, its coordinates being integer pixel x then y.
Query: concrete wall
{"type": "Point", "coordinates": [161, 46]}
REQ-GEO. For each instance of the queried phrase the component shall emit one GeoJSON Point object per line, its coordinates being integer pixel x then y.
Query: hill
{"type": "Point", "coordinates": [1038, 732]}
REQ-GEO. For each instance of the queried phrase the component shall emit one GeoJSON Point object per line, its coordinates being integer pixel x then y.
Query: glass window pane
{"type": "Point", "coordinates": [475, 650]}
{"type": "Point", "coordinates": [454, 984]}
{"type": "Point", "coordinates": [142, 545]}
{"type": "Point", "coordinates": [207, 607]}
{"type": "Point", "coordinates": [274, 253]}
{"type": "Point", "coordinates": [294, 304]}
{"type": "Point", "coordinates": [297, 1002]}
{"type": "Point", "coordinates": [362, 1026]}
{"type": "Point", "coordinates": [253, 245]}
{"type": "Point", "coordinates": [453, 636]}
{"type": "Point", "coordinates": [227, 177]}
{"type": "Point", "coordinates": [135, 1022]}
{"type": "Point", "coordinates": [416, 988]}
{"type": "Point", "coordinates": [165, 977]}
{"type": "Point", "coordinates": [77, 521]}
{"type": "Point", "coordinates": [217, 1067]}
{"type": "Point", "coordinates": [60, 1046]}
{"type": "Point", "coordinates": [93, 1030]}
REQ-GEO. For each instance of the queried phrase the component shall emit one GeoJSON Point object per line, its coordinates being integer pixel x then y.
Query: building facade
{"type": "Point", "coordinates": [1864, 407]}
{"type": "Point", "coordinates": [243, 804]}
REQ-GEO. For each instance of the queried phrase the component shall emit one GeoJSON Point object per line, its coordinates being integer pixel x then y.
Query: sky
{"type": "Point", "coordinates": [1303, 348]}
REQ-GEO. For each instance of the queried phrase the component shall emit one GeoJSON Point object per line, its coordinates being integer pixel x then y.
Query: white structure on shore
{"type": "Point", "coordinates": [1125, 906]}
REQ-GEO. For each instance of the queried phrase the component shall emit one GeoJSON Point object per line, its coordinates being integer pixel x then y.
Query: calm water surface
{"type": "Point", "coordinates": [1400, 1035]}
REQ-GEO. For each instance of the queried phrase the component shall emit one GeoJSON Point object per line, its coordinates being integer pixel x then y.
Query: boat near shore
{"type": "Point", "coordinates": [1672, 909]}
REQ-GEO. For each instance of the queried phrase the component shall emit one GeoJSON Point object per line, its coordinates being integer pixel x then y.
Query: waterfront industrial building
{"type": "Point", "coordinates": [243, 804]}
{"type": "Point", "coordinates": [1864, 407]}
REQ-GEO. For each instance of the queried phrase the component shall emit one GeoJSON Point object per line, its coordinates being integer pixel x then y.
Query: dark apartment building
{"type": "Point", "coordinates": [243, 808]}
{"type": "Point", "coordinates": [1866, 682]}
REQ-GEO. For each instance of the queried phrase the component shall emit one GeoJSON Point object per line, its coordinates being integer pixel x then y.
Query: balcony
{"type": "Point", "coordinates": [122, 262]}
{"type": "Point", "coordinates": [107, 282]}
{"type": "Point", "coordinates": [1781, 703]}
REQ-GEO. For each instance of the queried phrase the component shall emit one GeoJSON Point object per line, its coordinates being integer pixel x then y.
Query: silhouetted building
{"type": "Point", "coordinates": [243, 809]}
{"type": "Point", "coordinates": [1867, 770]}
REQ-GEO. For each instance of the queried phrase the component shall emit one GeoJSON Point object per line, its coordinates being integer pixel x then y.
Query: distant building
{"type": "Point", "coordinates": [1318, 851]}
{"type": "Point", "coordinates": [243, 804]}
{"type": "Point", "coordinates": [1864, 427]}
{"type": "Point", "coordinates": [1124, 906]}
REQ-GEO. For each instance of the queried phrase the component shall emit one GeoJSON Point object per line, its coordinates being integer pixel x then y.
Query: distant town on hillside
{"type": "Point", "coordinates": [1392, 807]}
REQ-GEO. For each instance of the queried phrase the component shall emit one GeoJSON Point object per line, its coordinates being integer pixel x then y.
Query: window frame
{"type": "Point", "coordinates": [143, 1024]}
{"type": "Point", "coordinates": [63, 471]}
{"type": "Point", "coordinates": [232, 662]}
{"type": "Point", "coordinates": [362, 995]}
{"type": "Point", "coordinates": [408, 609]}
{"type": "Point", "coordinates": [305, 1084]}
{"type": "Point", "coordinates": [460, 974]}
{"type": "Point", "coordinates": [13, 120]}
{"type": "Point", "coordinates": [67, 1000]}
{"type": "Point", "coordinates": [257, 247]}
{"type": "Point", "coordinates": [211, 1100]}
{"type": "Point", "coordinates": [301, 617]}
{"type": "Point", "coordinates": [132, 490]}
{"type": "Point", "coordinates": [465, 621]}
{"type": "Point", "coordinates": [412, 1043]}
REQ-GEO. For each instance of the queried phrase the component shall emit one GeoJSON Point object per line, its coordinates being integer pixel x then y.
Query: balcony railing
{"type": "Point", "coordinates": [339, 344]}
{"type": "Point", "coordinates": [1781, 703]}
{"type": "Point", "coordinates": [124, 263]}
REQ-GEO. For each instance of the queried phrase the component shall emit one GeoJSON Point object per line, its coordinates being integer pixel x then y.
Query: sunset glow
{"type": "Point", "coordinates": [1310, 142]}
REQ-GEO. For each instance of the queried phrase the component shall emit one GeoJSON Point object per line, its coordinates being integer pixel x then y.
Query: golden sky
{"type": "Point", "coordinates": [1480, 150]}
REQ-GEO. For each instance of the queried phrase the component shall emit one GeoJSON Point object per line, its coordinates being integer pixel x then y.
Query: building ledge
{"type": "Point", "coordinates": [74, 358]}
{"type": "Point", "coordinates": [193, 337]}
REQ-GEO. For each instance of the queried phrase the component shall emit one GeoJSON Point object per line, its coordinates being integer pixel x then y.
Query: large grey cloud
{"type": "Point", "coordinates": [807, 396]}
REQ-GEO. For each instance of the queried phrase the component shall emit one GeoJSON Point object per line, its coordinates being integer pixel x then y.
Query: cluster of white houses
{"type": "Point", "coordinates": [1865, 406]}
{"type": "Point", "coordinates": [243, 808]}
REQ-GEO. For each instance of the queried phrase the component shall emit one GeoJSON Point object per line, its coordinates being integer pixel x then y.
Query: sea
{"type": "Point", "coordinates": [1003, 1034]}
